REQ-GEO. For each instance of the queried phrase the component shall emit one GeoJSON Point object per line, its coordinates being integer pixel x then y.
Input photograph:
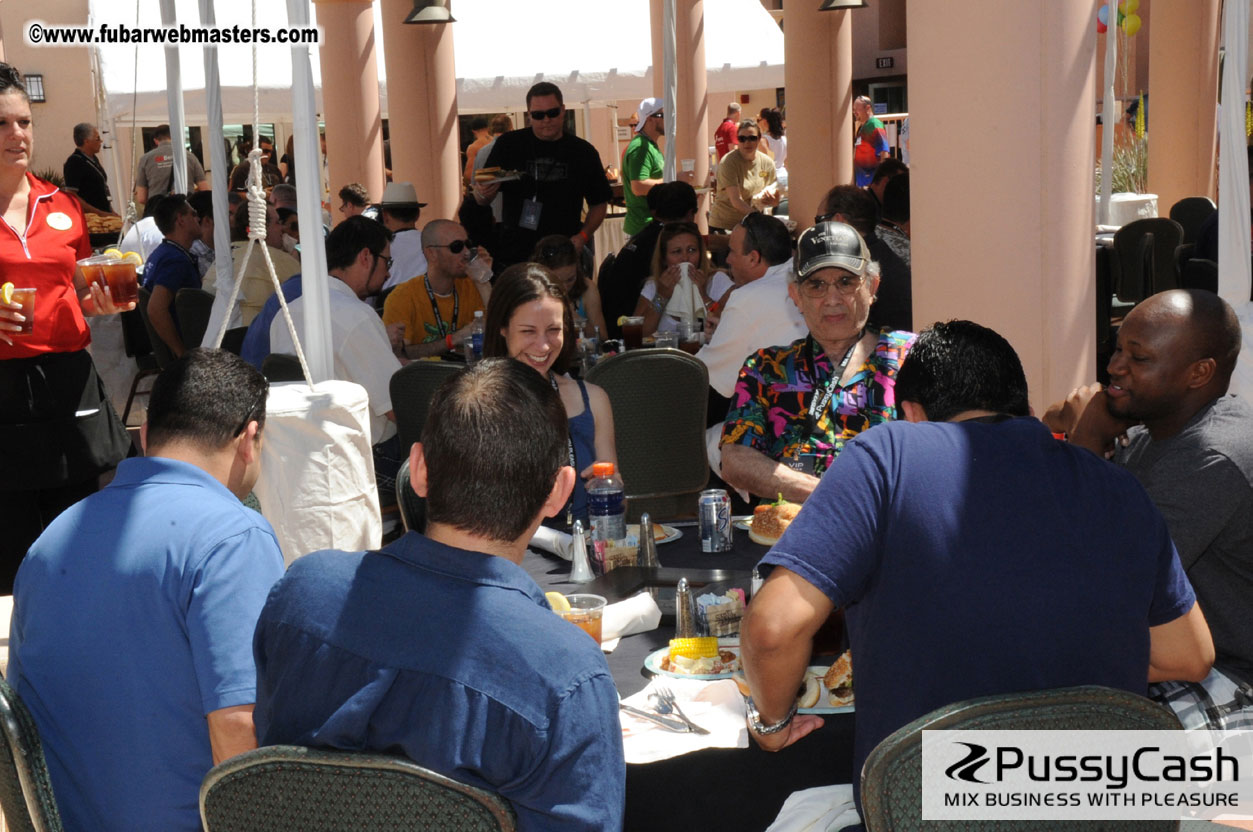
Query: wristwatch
{"type": "Point", "coordinates": [659, 303]}
{"type": "Point", "coordinates": [754, 720]}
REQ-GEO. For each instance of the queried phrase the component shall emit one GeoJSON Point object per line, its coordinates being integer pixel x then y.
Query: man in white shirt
{"type": "Point", "coordinates": [358, 253]}
{"type": "Point", "coordinates": [400, 210]}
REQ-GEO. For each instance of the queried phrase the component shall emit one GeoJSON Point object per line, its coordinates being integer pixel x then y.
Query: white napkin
{"type": "Point", "coordinates": [637, 614]}
{"type": "Point", "coordinates": [717, 707]}
{"type": "Point", "coordinates": [685, 302]}
{"type": "Point", "coordinates": [824, 809]}
{"type": "Point", "coordinates": [551, 540]}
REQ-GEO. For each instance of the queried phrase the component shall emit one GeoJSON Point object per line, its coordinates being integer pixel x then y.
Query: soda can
{"type": "Point", "coordinates": [714, 511]}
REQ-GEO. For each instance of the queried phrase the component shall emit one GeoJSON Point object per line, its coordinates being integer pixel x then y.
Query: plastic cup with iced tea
{"type": "Point", "coordinates": [123, 281]}
{"type": "Point", "coordinates": [586, 612]}
{"type": "Point", "coordinates": [633, 333]}
{"type": "Point", "coordinates": [92, 270]}
{"type": "Point", "coordinates": [26, 298]}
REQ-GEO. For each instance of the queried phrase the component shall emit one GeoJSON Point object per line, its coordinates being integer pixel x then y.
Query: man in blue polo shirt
{"type": "Point", "coordinates": [133, 613]}
{"type": "Point", "coordinates": [171, 267]}
{"type": "Point", "coordinates": [440, 646]}
{"type": "Point", "coordinates": [973, 554]}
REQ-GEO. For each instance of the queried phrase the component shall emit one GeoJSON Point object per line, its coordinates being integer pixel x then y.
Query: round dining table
{"type": "Point", "coordinates": [719, 788]}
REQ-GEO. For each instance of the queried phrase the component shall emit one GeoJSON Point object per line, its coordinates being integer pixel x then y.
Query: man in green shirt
{"type": "Point", "coordinates": [642, 165]}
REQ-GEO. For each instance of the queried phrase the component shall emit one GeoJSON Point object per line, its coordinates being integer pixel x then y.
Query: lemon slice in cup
{"type": "Point", "coordinates": [115, 253]}
{"type": "Point", "coordinates": [6, 293]}
{"type": "Point", "coordinates": [133, 257]}
{"type": "Point", "coordinates": [557, 601]}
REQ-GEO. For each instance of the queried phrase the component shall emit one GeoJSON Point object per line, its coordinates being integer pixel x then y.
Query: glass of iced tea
{"type": "Point", "coordinates": [26, 298]}
{"type": "Point", "coordinates": [633, 333]}
{"type": "Point", "coordinates": [586, 612]}
{"type": "Point", "coordinates": [92, 269]}
{"type": "Point", "coordinates": [123, 281]}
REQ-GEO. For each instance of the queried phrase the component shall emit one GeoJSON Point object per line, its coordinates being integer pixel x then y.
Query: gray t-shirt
{"type": "Point", "coordinates": [1202, 481]}
{"type": "Point", "coordinates": [156, 170]}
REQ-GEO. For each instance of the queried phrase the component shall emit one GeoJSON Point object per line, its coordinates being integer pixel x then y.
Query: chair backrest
{"type": "Point", "coordinates": [412, 507]}
{"type": "Point", "coordinates": [233, 339]}
{"type": "Point", "coordinates": [891, 780]}
{"type": "Point", "coordinates": [165, 357]}
{"type": "Point", "coordinates": [25, 790]}
{"type": "Point", "coordinates": [659, 398]}
{"type": "Point", "coordinates": [279, 366]}
{"type": "Point", "coordinates": [135, 334]}
{"type": "Point", "coordinates": [194, 307]}
{"type": "Point", "coordinates": [285, 787]}
{"type": "Point", "coordinates": [1191, 212]}
{"type": "Point", "coordinates": [1199, 274]}
{"type": "Point", "coordinates": [412, 387]}
{"type": "Point", "coordinates": [1145, 258]}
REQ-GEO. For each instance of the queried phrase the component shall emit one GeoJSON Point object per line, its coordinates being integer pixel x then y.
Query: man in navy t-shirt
{"type": "Point", "coordinates": [974, 554]}
{"type": "Point", "coordinates": [171, 267]}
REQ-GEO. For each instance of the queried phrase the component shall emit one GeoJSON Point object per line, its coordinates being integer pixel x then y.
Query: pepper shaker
{"type": "Point", "coordinates": [647, 552]}
{"type": "Point", "coordinates": [684, 610]}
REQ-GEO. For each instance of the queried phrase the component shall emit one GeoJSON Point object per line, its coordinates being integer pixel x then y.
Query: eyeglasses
{"type": "Point", "coordinates": [748, 139]}
{"type": "Point", "coordinates": [386, 260]}
{"type": "Point", "coordinates": [816, 287]}
{"type": "Point", "coordinates": [747, 224]}
{"type": "Point", "coordinates": [457, 246]}
{"type": "Point", "coordinates": [540, 115]}
{"type": "Point", "coordinates": [258, 402]}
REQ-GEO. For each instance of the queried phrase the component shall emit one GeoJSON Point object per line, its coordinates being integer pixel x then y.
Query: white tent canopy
{"type": "Point", "coordinates": [502, 48]}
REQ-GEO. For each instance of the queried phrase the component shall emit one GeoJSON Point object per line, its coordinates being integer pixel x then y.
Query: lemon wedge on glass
{"type": "Point", "coordinates": [557, 601]}
{"type": "Point", "coordinates": [622, 319]}
{"type": "Point", "coordinates": [133, 257]}
{"type": "Point", "coordinates": [6, 293]}
{"type": "Point", "coordinates": [115, 253]}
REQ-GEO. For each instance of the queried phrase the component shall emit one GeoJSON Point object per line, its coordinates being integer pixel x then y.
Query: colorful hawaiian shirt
{"type": "Point", "coordinates": [871, 143]}
{"type": "Point", "coordinates": [770, 406]}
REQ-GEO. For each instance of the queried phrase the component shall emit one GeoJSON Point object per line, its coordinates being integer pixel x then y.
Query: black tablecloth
{"type": "Point", "coordinates": [724, 789]}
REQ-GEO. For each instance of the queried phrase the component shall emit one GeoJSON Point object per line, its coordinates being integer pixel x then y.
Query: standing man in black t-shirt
{"type": "Point", "coordinates": [559, 172]}
{"type": "Point", "coordinates": [83, 171]}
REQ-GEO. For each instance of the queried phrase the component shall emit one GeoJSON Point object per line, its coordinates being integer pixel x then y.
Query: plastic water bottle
{"type": "Point", "coordinates": [606, 503]}
{"type": "Point", "coordinates": [476, 335]}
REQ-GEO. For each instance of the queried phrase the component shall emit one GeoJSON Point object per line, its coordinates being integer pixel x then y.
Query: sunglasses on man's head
{"type": "Point", "coordinates": [749, 138]}
{"type": "Point", "coordinates": [540, 115]}
{"type": "Point", "coordinates": [457, 246]}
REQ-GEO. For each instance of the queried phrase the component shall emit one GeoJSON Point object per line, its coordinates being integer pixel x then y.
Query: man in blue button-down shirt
{"type": "Point", "coordinates": [441, 647]}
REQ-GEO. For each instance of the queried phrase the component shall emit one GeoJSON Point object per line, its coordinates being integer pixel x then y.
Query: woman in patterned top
{"type": "Point", "coordinates": [794, 407]}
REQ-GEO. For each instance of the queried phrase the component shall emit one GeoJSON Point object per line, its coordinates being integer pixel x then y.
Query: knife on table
{"type": "Point", "coordinates": [671, 724]}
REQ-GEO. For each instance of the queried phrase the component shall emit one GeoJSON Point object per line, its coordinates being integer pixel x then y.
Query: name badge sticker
{"type": "Point", "coordinates": [531, 209]}
{"type": "Point", "coordinates": [60, 221]}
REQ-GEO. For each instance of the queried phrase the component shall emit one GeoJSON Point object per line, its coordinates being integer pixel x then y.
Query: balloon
{"type": "Point", "coordinates": [1131, 25]}
{"type": "Point", "coordinates": [1130, 6]}
{"type": "Point", "coordinates": [1102, 15]}
{"type": "Point", "coordinates": [1101, 28]}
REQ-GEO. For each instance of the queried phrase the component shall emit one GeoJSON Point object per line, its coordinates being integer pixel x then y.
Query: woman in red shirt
{"type": "Point", "coordinates": [59, 431]}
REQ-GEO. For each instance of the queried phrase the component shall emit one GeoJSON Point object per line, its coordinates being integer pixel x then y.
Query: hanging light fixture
{"type": "Point", "coordinates": [430, 11]}
{"type": "Point", "coordinates": [837, 5]}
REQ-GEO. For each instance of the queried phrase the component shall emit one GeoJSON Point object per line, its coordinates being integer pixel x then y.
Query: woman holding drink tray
{"type": "Point", "coordinates": [60, 431]}
{"type": "Point", "coordinates": [680, 247]}
{"type": "Point", "coordinates": [529, 318]}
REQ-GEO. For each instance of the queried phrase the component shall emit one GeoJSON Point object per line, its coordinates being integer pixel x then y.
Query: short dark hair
{"type": "Point", "coordinates": [556, 251]}
{"type": "Point", "coordinates": [856, 204]}
{"type": "Point", "coordinates": [202, 203]}
{"type": "Point", "coordinates": [206, 397]}
{"type": "Point", "coordinates": [544, 88]}
{"type": "Point", "coordinates": [406, 213]}
{"type": "Point", "coordinates": [767, 235]}
{"type": "Point", "coordinates": [11, 82]}
{"type": "Point", "coordinates": [82, 132]}
{"type": "Point", "coordinates": [522, 283]}
{"type": "Point", "coordinates": [347, 239]}
{"type": "Point", "coordinates": [671, 201]}
{"type": "Point", "coordinates": [168, 211]}
{"type": "Point", "coordinates": [1215, 332]}
{"type": "Point", "coordinates": [493, 442]}
{"type": "Point", "coordinates": [890, 166]}
{"type": "Point", "coordinates": [478, 123]}
{"type": "Point", "coordinates": [959, 366]}
{"type": "Point", "coordinates": [355, 193]}
{"type": "Point", "coordinates": [896, 199]}
{"type": "Point", "coordinates": [161, 131]}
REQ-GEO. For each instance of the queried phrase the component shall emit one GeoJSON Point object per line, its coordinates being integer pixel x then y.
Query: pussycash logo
{"type": "Point", "coordinates": [1146, 765]}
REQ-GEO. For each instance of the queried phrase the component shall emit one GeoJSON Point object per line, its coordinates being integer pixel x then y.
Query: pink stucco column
{"type": "Point", "coordinates": [1183, 89]}
{"type": "Point", "coordinates": [422, 109]}
{"type": "Point", "coordinates": [1002, 203]}
{"type": "Point", "coordinates": [691, 98]}
{"type": "Point", "coordinates": [350, 98]}
{"type": "Point", "coordinates": [818, 56]}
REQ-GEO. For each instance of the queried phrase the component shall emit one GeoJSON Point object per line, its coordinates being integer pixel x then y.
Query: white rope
{"type": "Point", "coordinates": [258, 215]}
{"type": "Point", "coordinates": [132, 214]}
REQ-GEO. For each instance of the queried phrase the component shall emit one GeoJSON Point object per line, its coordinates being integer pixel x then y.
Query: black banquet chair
{"type": "Point", "coordinates": [1191, 212]}
{"type": "Point", "coordinates": [194, 306]}
{"type": "Point", "coordinates": [891, 780]}
{"type": "Point", "coordinates": [1144, 258]}
{"type": "Point", "coordinates": [25, 789]}
{"type": "Point", "coordinates": [659, 398]}
{"type": "Point", "coordinates": [286, 788]}
{"type": "Point", "coordinates": [412, 387]}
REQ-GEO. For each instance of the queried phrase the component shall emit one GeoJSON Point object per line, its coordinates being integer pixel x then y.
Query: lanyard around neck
{"type": "Point", "coordinates": [552, 378]}
{"type": "Point", "coordinates": [821, 401]}
{"type": "Point", "coordinates": [456, 306]}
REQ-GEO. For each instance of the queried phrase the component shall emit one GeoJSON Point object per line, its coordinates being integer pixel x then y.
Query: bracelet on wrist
{"type": "Point", "coordinates": [583, 234]}
{"type": "Point", "coordinates": [755, 723]}
{"type": "Point", "coordinates": [448, 341]}
{"type": "Point", "coordinates": [660, 303]}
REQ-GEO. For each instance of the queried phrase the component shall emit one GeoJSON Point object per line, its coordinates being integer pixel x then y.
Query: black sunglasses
{"type": "Point", "coordinates": [747, 139]}
{"type": "Point", "coordinates": [747, 224]}
{"type": "Point", "coordinates": [457, 246]}
{"type": "Point", "coordinates": [540, 115]}
{"type": "Point", "coordinates": [248, 417]}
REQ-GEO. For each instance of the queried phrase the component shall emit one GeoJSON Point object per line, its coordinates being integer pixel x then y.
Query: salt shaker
{"type": "Point", "coordinates": [647, 553]}
{"type": "Point", "coordinates": [684, 610]}
{"type": "Point", "coordinates": [581, 568]}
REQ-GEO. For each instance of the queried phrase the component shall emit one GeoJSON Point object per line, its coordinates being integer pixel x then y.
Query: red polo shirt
{"type": "Point", "coordinates": [44, 257]}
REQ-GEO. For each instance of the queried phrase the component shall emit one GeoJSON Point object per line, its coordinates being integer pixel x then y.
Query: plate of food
{"type": "Point", "coordinates": [494, 175]}
{"type": "Point", "coordinates": [827, 690]}
{"type": "Point", "coordinates": [770, 520]}
{"type": "Point", "coordinates": [661, 532]}
{"type": "Point", "coordinates": [696, 658]}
